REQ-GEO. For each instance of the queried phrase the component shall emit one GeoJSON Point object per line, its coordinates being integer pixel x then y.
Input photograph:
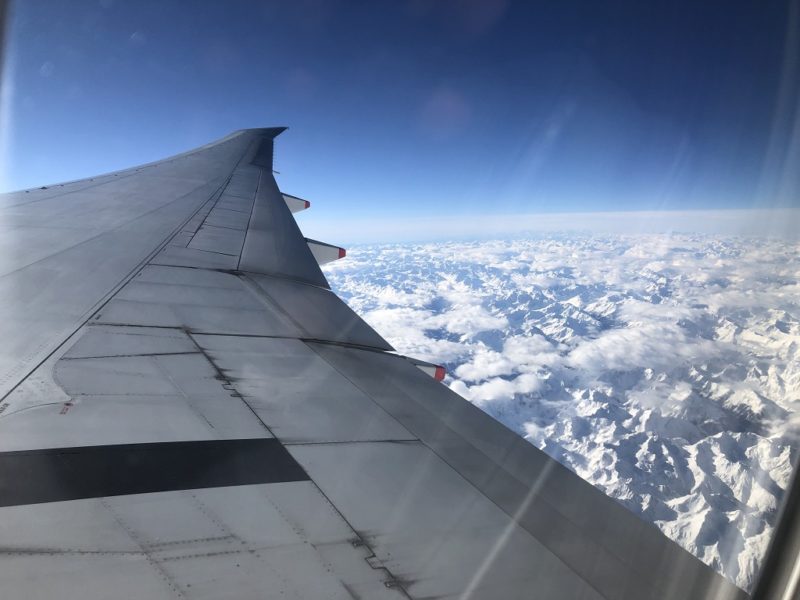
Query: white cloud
{"type": "Point", "coordinates": [662, 368]}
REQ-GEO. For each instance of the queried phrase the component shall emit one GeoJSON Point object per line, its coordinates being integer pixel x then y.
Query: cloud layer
{"type": "Point", "coordinates": [662, 369]}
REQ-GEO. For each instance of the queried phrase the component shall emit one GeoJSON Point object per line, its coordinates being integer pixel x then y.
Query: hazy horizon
{"type": "Point", "coordinates": [776, 223]}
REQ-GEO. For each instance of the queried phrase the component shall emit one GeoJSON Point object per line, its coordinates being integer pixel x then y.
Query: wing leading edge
{"type": "Point", "coordinates": [197, 415]}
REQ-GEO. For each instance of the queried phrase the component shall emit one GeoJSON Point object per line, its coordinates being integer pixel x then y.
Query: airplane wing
{"type": "Point", "coordinates": [188, 411]}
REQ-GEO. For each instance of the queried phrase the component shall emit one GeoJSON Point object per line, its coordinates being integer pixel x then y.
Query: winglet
{"type": "Point", "coordinates": [264, 152]}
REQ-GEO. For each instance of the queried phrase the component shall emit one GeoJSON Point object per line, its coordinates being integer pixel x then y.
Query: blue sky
{"type": "Point", "coordinates": [419, 108]}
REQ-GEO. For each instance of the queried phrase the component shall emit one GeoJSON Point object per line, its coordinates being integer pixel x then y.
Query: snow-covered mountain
{"type": "Point", "coordinates": [662, 369]}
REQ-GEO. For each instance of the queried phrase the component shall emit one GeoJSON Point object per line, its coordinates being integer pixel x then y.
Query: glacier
{"type": "Point", "coordinates": [662, 368]}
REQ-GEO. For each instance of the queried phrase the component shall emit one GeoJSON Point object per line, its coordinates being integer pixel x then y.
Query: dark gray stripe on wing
{"type": "Point", "coordinates": [52, 475]}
